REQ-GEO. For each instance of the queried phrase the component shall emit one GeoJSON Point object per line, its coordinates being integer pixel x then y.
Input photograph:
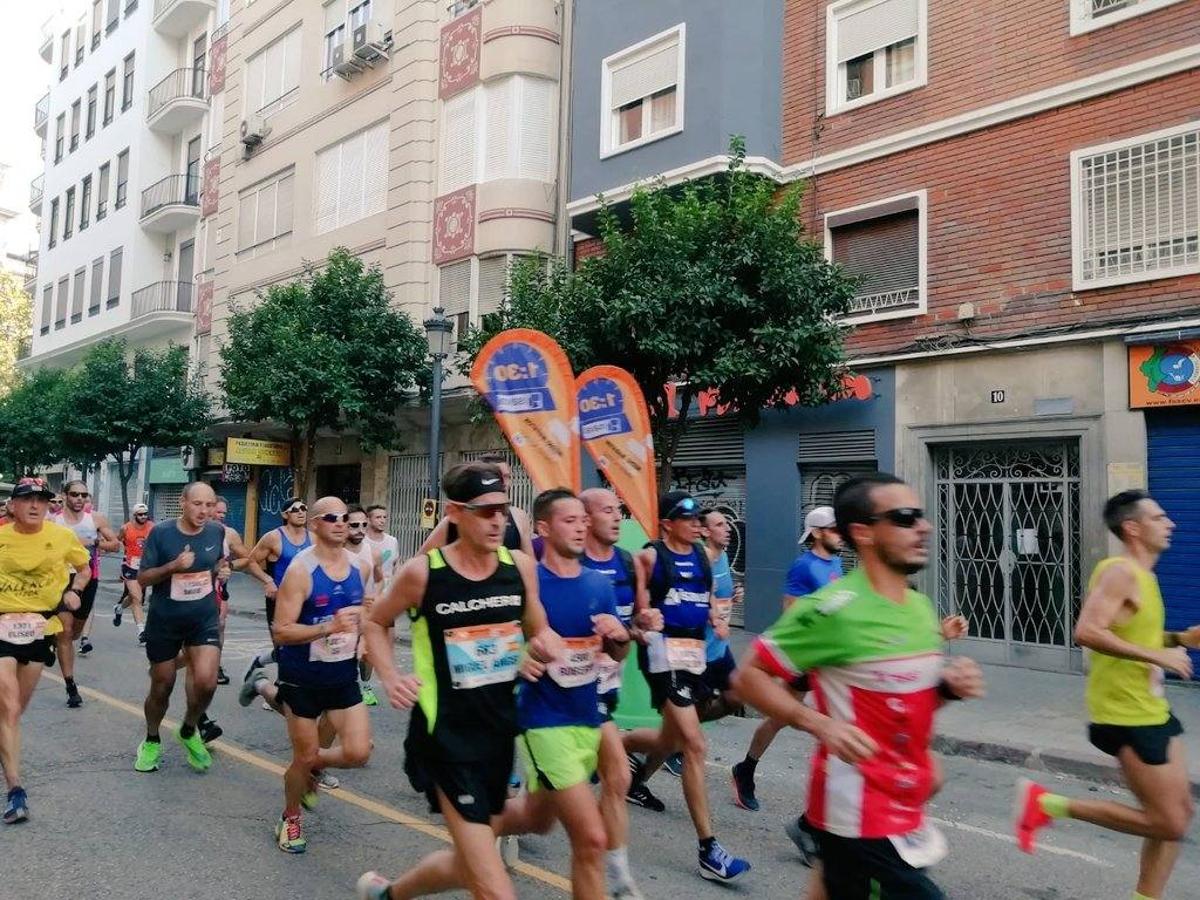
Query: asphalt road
{"type": "Point", "coordinates": [99, 829]}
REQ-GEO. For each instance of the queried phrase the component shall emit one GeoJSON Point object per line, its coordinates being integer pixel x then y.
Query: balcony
{"type": "Point", "coordinates": [36, 190]}
{"type": "Point", "coordinates": [178, 102]}
{"type": "Point", "coordinates": [41, 115]}
{"type": "Point", "coordinates": [171, 204]}
{"type": "Point", "coordinates": [46, 49]}
{"type": "Point", "coordinates": [166, 300]}
{"type": "Point", "coordinates": [175, 18]}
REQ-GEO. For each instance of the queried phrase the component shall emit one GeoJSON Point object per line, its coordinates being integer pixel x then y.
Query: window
{"type": "Point", "coordinates": [127, 83]}
{"type": "Point", "coordinates": [85, 202]}
{"type": "Point", "coordinates": [77, 296]}
{"type": "Point", "coordinates": [882, 244]}
{"type": "Point", "coordinates": [122, 178]}
{"type": "Point", "coordinates": [114, 279]}
{"type": "Point", "coordinates": [454, 296]}
{"type": "Point", "coordinates": [460, 142]}
{"type": "Point", "coordinates": [874, 49]}
{"type": "Point", "coordinates": [335, 33]}
{"type": "Point", "coordinates": [199, 62]}
{"type": "Point", "coordinates": [69, 213]}
{"type": "Point", "coordinates": [1088, 15]}
{"type": "Point", "coordinates": [54, 222]}
{"type": "Point", "coordinates": [273, 75]}
{"type": "Point", "coordinates": [110, 94]}
{"type": "Point", "coordinates": [191, 193]}
{"type": "Point", "coordinates": [90, 127]}
{"type": "Point", "coordinates": [472, 288]}
{"type": "Point", "coordinates": [1135, 209]}
{"type": "Point", "coordinates": [97, 286]}
{"type": "Point", "coordinates": [60, 306]}
{"type": "Point", "coordinates": [47, 308]}
{"type": "Point", "coordinates": [75, 114]}
{"type": "Point", "coordinates": [102, 193]}
{"type": "Point", "coordinates": [360, 14]}
{"type": "Point", "coordinates": [642, 92]}
{"type": "Point", "coordinates": [80, 41]}
{"type": "Point", "coordinates": [352, 179]}
{"type": "Point", "coordinates": [130, 6]}
{"type": "Point", "coordinates": [64, 56]}
{"type": "Point", "coordinates": [265, 212]}
{"type": "Point", "coordinates": [114, 15]}
{"type": "Point", "coordinates": [97, 22]}
{"type": "Point", "coordinates": [60, 128]}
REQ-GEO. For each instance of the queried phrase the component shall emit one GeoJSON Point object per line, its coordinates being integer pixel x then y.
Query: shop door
{"type": "Point", "coordinates": [408, 485]}
{"type": "Point", "coordinates": [1006, 542]}
{"type": "Point", "coordinates": [165, 501]}
{"type": "Point", "coordinates": [234, 496]}
{"type": "Point", "coordinates": [343, 482]}
{"type": "Point", "coordinates": [275, 485]}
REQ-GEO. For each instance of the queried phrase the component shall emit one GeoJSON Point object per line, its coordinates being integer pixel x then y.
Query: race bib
{"type": "Point", "coordinates": [22, 628]}
{"type": "Point", "coordinates": [1157, 687]}
{"type": "Point", "coordinates": [334, 647]}
{"type": "Point", "coordinates": [922, 848]}
{"type": "Point", "coordinates": [608, 673]}
{"type": "Point", "coordinates": [577, 666]}
{"type": "Point", "coordinates": [135, 562]}
{"type": "Point", "coordinates": [725, 609]}
{"type": "Point", "coordinates": [191, 586]}
{"type": "Point", "coordinates": [675, 597]}
{"type": "Point", "coordinates": [686, 654]}
{"type": "Point", "coordinates": [479, 655]}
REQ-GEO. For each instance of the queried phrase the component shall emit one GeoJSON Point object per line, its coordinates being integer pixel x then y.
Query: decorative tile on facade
{"type": "Point", "coordinates": [454, 226]}
{"type": "Point", "coordinates": [204, 305]}
{"type": "Point", "coordinates": [216, 65]}
{"type": "Point", "coordinates": [459, 63]}
{"type": "Point", "coordinates": [210, 191]}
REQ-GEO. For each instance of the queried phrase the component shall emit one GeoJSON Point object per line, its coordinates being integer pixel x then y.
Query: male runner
{"type": "Point", "coordinates": [601, 554]}
{"type": "Point", "coordinates": [179, 563]}
{"type": "Point", "coordinates": [517, 531]}
{"type": "Point", "coordinates": [872, 651]}
{"type": "Point", "coordinates": [679, 578]}
{"type": "Point", "coordinates": [1121, 624]}
{"type": "Point", "coordinates": [96, 535]}
{"type": "Point", "coordinates": [237, 554]}
{"type": "Point", "coordinates": [473, 604]}
{"type": "Point", "coordinates": [386, 544]}
{"type": "Point", "coordinates": [318, 608]}
{"type": "Point", "coordinates": [270, 559]}
{"type": "Point", "coordinates": [34, 556]}
{"type": "Point", "coordinates": [367, 553]}
{"type": "Point", "coordinates": [132, 536]}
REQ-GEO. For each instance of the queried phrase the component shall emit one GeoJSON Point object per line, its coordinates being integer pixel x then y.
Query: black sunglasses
{"type": "Point", "coordinates": [484, 510]}
{"type": "Point", "coordinates": [901, 517]}
{"type": "Point", "coordinates": [358, 525]}
{"type": "Point", "coordinates": [334, 517]}
{"type": "Point", "coordinates": [83, 494]}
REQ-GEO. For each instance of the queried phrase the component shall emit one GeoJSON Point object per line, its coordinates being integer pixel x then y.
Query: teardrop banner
{"type": "Point", "coordinates": [615, 427]}
{"type": "Point", "coordinates": [527, 380]}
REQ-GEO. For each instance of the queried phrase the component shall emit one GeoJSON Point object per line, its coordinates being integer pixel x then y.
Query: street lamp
{"type": "Point", "coordinates": [437, 332]}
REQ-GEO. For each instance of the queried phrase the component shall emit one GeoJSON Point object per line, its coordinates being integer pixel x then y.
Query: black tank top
{"type": "Point", "coordinates": [512, 534]}
{"type": "Point", "coordinates": [467, 641]}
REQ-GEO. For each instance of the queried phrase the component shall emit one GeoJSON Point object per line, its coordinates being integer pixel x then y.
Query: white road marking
{"type": "Point", "coordinates": [1009, 839]}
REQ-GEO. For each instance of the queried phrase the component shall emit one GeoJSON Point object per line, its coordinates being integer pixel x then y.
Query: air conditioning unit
{"type": "Point", "coordinates": [853, 88]}
{"type": "Point", "coordinates": [253, 130]}
{"type": "Point", "coordinates": [371, 41]}
{"type": "Point", "coordinates": [341, 65]}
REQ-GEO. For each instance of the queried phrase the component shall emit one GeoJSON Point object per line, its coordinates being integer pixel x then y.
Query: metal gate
{"type": "Point", "coordinates": [408, 483]}
{"type": "Point", "coordinates": [521, 493]}
{"type": "Point", "coordinates": [166, 501]}
{"type": "Point", "coordinates": [1007, 541]}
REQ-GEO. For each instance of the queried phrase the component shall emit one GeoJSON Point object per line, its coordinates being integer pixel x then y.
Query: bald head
{"type": "Point", "coordinates": [329, 534]}
{"type": "Point", "coordinates": [328, 505]}
{"type": "Point", "coordinates": [196, 504]}
{"type": "Point", "coordinates": [604, 516]}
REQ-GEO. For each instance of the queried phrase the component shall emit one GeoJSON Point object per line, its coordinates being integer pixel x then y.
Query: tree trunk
{"type": "Point", "coordinates": [304, 450]}
{"type": "Point", "coordinates": [125, 474]}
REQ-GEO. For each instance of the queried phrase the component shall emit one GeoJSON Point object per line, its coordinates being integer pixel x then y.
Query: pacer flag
{"type": "Point", "coordinates": [528, 382]}
{"type": "Point", "coordinates": [615, 427]}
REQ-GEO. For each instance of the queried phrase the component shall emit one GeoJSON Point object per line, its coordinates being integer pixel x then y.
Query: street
{"type": "Point", "coordinates": [99, 828]}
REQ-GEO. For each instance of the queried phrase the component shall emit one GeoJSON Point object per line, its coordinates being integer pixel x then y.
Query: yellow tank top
{"type": "Point", "coordinates": [1124, 691]}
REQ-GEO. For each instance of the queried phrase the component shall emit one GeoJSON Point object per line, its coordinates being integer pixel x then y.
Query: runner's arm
{"type": "Point", "coordinates": [376, 572]}
{"type": "Point", "coordinates": [288, 602]}
{"type": "Point", "coordinates": [1101, 607]}
{"type": "Point", "coordinates": [521, 520]}
{"type": "Point", "coordinates": [407, 589]}
{"type": "Point", "coordinates": [77, 558]}
{"type": "Point", "coordinates": [437, 538]}
{"type": "Point", "coordinates": [108, 542]}
{"type": "Point", "coordinates": [541, 643]}
{"type": "Point", "coordinates": [644, 617]}
{"type": "Point", "coordinates": [266, 550]}
{"type": "Point", "coordinates": [239, 553]}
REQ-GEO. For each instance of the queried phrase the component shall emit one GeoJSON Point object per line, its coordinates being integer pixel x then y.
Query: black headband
{"type": "Point", "coordinates": [476, 484]}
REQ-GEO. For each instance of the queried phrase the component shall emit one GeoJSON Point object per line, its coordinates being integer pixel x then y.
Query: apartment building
{"type": "Point", "coordinates": [419, 135]}
{"type": "Point", "coordinates": [127, 123]}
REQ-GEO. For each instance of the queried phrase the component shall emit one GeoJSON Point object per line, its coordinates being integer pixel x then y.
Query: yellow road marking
{"type": "Point", "coordinates": [346, 796]}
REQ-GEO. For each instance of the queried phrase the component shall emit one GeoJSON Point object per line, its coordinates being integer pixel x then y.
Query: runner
{"type": "Point", "coordinates": [274, 551]}
{"type": "Point", "coordinates": [679, 578]}
{"type": "Point", "coordinates": [368, 554]}
{"type": "Point", "coordinates": [179, 562]}
{"type": "Point", "coordinates": [34, 556]}
{"type": "Point", "coordinates": [96, 535]}
{"type": "Point", "coordinates": [1121, 625]}
{"type": "Point", "coordinates": [517, 531]}
{"type": "Point", "coordinates": [469, 604]}
{"type": "Point", "coordinates": [319, 606]}
{"type": "Point", "coordinates": [237, 554]}
{"type": "Point", "coordinates": [872, 651]}
{"type": "Point", "coordinates": [601, 554]}
{"type": "Point", "coordinates": [386, 544]}
{"type": "Point", "coordinates": [132, 536]}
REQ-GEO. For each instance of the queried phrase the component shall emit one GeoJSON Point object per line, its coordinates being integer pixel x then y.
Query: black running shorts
{"type": "Point", "coordinates": [170, 629]}
{"type": "Point", "coordinates": [40, 651]}
{"type": "Point", "coordinates": [308, 701]}
{"type": "Point", "coordinates": [1149, 742]}
{"type": "Point", "coordinates": [477, 789]}
{"type": "Point", "coordinates": [871, 869]}
{"type": "Point", "coordinates": [87, 599]}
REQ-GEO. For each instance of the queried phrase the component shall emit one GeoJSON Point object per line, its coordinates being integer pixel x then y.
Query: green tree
{"type": "Point", "coordinates": [710, 286]}
{"type": "Point", "coordinates": [16, 314]}
{"type": "Point", "coordinates": [324, 352]}
{"type": "Point", "coordinates": [121, 402]}
{"type": "Point", "coordinates": [30, 415]}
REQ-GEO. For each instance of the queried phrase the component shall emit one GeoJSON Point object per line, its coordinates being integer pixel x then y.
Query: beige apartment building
{"type": "Point", "coordinates": [423, 137]}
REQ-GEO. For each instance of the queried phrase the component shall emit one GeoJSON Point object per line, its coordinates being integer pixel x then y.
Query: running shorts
{"type": "Point", "coordinates": [718, 675]}
{"type": "Point", "coordinates": [40, 651]}
{"type": "Point", "coordinates": [559, 757]}
{"type": "Point", "coordinates": [1149, 742]}
{"type": "Point", "coordinates": [87, 599]}
{"type": "Point", "coordinates": [170, 630]}
{"type": "Point", "coordinates": [477, 788]}
{"type": "Point", "coordinates": [608, 704]}
{"type": "Point", "coordinates": [871, 869]}
{"type": "Point", "coordinates": [676, 687]}
{"type": "Point", "coordinates": [309, 701]}
{"type": "Point", "coordinates": [128, 574]}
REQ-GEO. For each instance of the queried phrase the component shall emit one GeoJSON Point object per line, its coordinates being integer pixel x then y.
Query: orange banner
{"type": "Point", "coordinates": [528, 382]}
{"type": "Point", "coordinates": [615, 427]}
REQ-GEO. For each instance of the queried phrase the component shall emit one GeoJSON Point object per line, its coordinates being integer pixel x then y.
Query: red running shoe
{"type": "Point", "coordinates": [1028, 816]}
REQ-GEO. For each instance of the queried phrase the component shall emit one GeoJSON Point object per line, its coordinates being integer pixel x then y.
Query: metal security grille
{"type": "Point", "coordinates": [1140, 208]}
{"type": "Point", "coordinates": [521, 492]}
{"type": "Point", "coordinates": [833, 446]}
{"type": "Point", "coordinates": [1007, 540]}
{"type": "Point", "coordinates": [712, 440]}
{"type": "Point", "coordinates": [818, 485]}
{"type": "Point", "coordinates": [408, 485]}
{"type": "Point", "coordinates": [885, 253]}
{"type": "Point", "coordinates": [166, 501]}
{"type": "Point", "coordinates": [113, 507]}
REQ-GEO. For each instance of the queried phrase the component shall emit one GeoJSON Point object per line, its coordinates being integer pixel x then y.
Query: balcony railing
{"type": "Point", "coordinates": [163, 297]}
{"type": "Point", "coordinates": [36, 190]}
{"type": "Point", "coordinates": [458, 7]}
{"type": "Point", "coordinates": [174, 190]}
{"type": "Point", "coordinates": [180, 84]}
{"type": "Point", "coordinates": [41, 113]}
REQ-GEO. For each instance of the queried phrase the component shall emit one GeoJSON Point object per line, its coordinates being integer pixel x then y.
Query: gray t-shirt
{"type": "Point", "coordinates": [165, 542]}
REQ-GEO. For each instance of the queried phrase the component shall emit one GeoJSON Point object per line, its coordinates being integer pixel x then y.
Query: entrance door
{"type": "Point", "coordinates": [1007, 545]}
{"type": "Point", "coordinates": [343, 482]}
{"type": "Point", "coordinates": [187, 271]}
{"type": "Point", "coordinates": [192, 189]}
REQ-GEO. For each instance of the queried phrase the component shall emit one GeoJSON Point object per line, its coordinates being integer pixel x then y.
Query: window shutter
{"type": "Point", "coordinates": [264, 221]}
{"type": "Point", "coordinates": [884, 252]}
{"type": "Point", "coordinates": [350, 191]}
{"type": "Point", "coordinates": [77, 297]}
{"type": "Point", "coordinates": [454, 287]}
{"type": "Point", "coordinates": [97, 284]}
{"type": "Point", "coordinates": [114, 275]}
{"type": "Point", "coordinates": [273, 62]}
{"type": "Point", "coordinates": [60, 312]}
{"type": "Point", "coordinates": [875, 26]}
{"type": "Point", "coordinates": [710, 441]}
{"type": "Point", "coordinates": [375, 169]}
{"type": "Point", "coordinates": [650, 73]}
{"type": "Point", "coordinates": [537, 129]}
{"type": "Point", "coordinates": [290, 76]}
{"type": "Point", "coordinates": [327, 189]}
{"type": "Point", "coordinates": [493, 283]}
{"type": "Point", "coordinates": [499, 100]}
{"type": "Point", "coordinates": [837, 446]}
{"type": "Point", "coordinates": [335, 15]}
{"type": "Point", "coordinates": [459, 142]}
{"type": "Point", "coordinates": [47, 305]}
{"type": "Point", "coordinates": [246, 212]}
{"type": "Point", "coordinates": [284, 205]}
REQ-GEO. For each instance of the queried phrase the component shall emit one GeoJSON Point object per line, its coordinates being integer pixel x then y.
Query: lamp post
{"type": "Point", "coordinates": [437, 332]}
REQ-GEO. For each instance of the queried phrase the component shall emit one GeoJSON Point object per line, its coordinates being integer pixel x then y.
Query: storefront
{"type": "Point", "coordinates": [167, 478]}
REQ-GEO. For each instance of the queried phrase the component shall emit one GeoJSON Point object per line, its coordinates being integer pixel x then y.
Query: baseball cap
{"type": "Point", "coordinates": [677, 505]}
{"type": "Point", "coordinates": [140, 507]}
{"type": "Point", "coordinates": [32, 487]}
{"type": "Point", "coordinates": [818, 517]}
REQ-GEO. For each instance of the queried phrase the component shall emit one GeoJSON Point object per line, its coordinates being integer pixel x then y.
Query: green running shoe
{"type": "Point", "coordinates": [368, 695]}
{"type": "Point", "coordinates": [198, 756]}
{"type": "Point", "coordinates": [289, 835]}
{"type": "Point", "coordinates": [148, 755]}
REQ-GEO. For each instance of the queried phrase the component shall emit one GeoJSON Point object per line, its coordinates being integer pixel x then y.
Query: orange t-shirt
{"type": "Point", "coordinates": [135, 540]}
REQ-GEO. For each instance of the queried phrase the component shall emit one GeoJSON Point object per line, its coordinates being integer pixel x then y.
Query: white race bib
{"type": "Point", "coordinates": [686, 655]}
{"type": "Point", "coordinates": [725, 609]}
{"type": "Point", "coordinates": [135, 562]}
{"type": "Point", "coordinates": [608, 673]}
{"type": "Point", "coordinates": [922, 848]}
{"type": "Point", "coordinates": [577, 666]}
{"type": "Point", "coordinates": [479, 655]}
{"type": "Point", "coordinates": [191, 586]}
{"type": "Point", "coordinates": [22, 628]}
{"type": "Point", "coordinates": [334, 647]}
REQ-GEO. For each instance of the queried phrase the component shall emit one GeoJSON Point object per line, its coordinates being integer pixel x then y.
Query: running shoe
{"type": "Point", "coordinates": [289, 835]}
{"type": "Point", "coordinates": [674, 764]}
{"type": "Point", "coordinates": [117, 613]}
{"type": "Point", "coordinates": [1028, 816]}
{"type": "Point", "coordinates": [148, 755]}
{"type": "Point", "coordinates": [198, 756]}
{"type": "Point", "coordinates": [17, 808]}
{"type": "Point", "coordinates": [74, 701]}
{"type": "Point", "coordinates": [372, 886]}
{"type": "Point", "coordinates": [325, 780]}
{"type": "Point", "coordinates": [142, 636]}
{"type": "Point", "coordinates": [368, 695]}
{"type": "Point", "coordinates": [510, 850]}
{"type": "Point", "coordinates": [743, 788]}
{"type": "Point", "coordinates": [626, 892]}
{"type": "Point", "coordinates": [209, 730]}
{"type": "Point", "coordinates": [249, 689]}
{"type": "Point", "coordinates": [717, 864]}
{"type": "Point", "coordinates": [797, 829]}
{"type": "Point", "coordinates": [85, 646]}
{"type": "Point", "coordinates": [222, 678]}
{"type": "Point", "coordinates": [640, 795]}
{"type": "Point", "coordinates": [309, 798]}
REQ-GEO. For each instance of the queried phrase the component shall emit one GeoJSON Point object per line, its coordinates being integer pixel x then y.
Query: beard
{"type": "Point", "coordinates": [898, 563]}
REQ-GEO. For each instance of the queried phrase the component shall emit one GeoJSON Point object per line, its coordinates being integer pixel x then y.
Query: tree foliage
{"type": "Point", "coordinates": [30, 415]}
{"type": "Point", "coordinates": [323, 352]}
{"type": "Point", "coordinates": [713, 286]}
{"type": "Point", "coordinates": [16, 312]}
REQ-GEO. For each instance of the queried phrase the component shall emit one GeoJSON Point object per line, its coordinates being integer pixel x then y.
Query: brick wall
{"type": "Point", "coordinates": [588, 247]}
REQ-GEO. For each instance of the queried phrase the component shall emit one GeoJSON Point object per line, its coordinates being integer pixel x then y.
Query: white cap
{"type": "Point", "coordinates": [141, 507]}
{"type": "Point", "coordinates": [818, 517]}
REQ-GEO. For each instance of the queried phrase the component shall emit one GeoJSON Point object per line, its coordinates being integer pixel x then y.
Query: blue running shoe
{"type": "Point", "coordinates": [674, 764]}
{"type": "Point", "coordinates": [17, 809]}
{"type": "Point", "coordinates": [719, 865]}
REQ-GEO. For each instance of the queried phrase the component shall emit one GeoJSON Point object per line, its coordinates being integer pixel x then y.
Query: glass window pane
{"type": "Point", "coordinates": [662, 110]}
{"type": "Point", "coordinates": [860, 77]}
{"type": "Point", "coordinates": [901, 62]}
{"type": "Point", "coordinates": [629, 120]}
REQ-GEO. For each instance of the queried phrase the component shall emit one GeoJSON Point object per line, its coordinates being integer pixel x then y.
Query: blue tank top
{"type": "Point", "coordinates": [685, 606]}
{"type": "Point", "coordinates": [622, 581]}
{"type": "Point", "coordinates": [287, 552]}
{"type": "Point", "coordinates": [330, 660]}
{"type": "Point", "coordinates": [715, 648]}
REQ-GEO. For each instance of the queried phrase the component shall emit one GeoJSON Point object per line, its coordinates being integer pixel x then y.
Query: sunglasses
{"type": "Point", "coordinates": [334, 517]}
{"type": "Point", "coordinates": [56, 503]}
{"type": "Point", "coordinates": [484, 510]}
{"type": "Point", "coordinates": [901, 517]}
{"type": "Point", "coordinates": [299, 507]}
{"type": "Point", "coordinates": [358, 525]}
{"type": "Point", "coordinates": [83, 494]}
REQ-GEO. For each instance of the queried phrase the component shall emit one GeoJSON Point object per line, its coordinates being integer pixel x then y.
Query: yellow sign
{"type": "Point", "coordinates": [215, 457]}
{"type": "Point", "coordinates": [428, 513]}
{"type": "Point", "coordinates": [250, 452]}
